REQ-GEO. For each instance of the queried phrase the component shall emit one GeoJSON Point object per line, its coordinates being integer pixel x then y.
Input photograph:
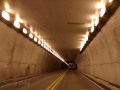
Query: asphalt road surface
{"type": "Point", "coordinates": [60, 80]}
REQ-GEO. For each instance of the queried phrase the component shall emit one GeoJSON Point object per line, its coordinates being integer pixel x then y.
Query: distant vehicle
{"type": "Point", "coordinates": [72, 66]}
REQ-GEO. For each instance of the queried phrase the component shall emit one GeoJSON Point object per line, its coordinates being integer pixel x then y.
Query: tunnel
{"type": "Point", "coordinates": [59, 44]}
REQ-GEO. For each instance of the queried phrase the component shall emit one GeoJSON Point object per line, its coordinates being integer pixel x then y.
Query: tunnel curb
{"type": "Point", "coordinates": [106, 84]}
{"type": "Point", "coordinates": [22, 78]}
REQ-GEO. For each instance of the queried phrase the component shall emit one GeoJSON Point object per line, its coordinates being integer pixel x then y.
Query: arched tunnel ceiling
{"type": "Point", "coordinates": [61, 22]}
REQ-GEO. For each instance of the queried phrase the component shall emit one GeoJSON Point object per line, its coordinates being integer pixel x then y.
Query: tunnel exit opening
{"type": "Point", "coordinates": [71, 65]}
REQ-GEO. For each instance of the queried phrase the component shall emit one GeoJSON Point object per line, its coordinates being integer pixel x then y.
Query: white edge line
{"type": "Point", "coordinates": [93, 82]}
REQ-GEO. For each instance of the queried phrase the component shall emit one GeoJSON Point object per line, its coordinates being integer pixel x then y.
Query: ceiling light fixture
{"type": "Point", "coordinates": [17, 24]}
{"type": "Point", "coordinates": [6, 15]}
{"type": "Point", "coordinates": [86, 38]}
{"type": "Point", "coordinates": [18, 19]}
{"type": "Point", "coordinates": [24, 30]}
{"type": "Point", "coordinates": [39, 42]}
{"type": "Point", "coordinates": [103, 10]}
{"type": "Point", "coordinates": [35, 34]}
{"type": "Point", "coordinates": [31, 35]}
{"type": "Point", "coordinates": [92, 28]}
{"type": "Point", "coordinates": [7, 7]}
{"type": "Point", "coordinates": [35, 39]}
{"type": "Point", "coordinates": [83, 42]}
{"type": "Point", "coordinates": [99, 5]}
{"type": "Point", "coordinates": [82, 45]}
{"type": "Point", "coordinates": [31, 29]}
{"type": "Point", "coordinates": [110, 1]}
{"type": "Point", "coordinates": [39, 37]}
{"type": "Point", "coordinates": [42, 44]}
{"type": "Point", "coordinates": [96, 20]}
{"type": "Point", "coordinates": [81, 48]}
{"type": "Point", "coordinates": [101, 17]}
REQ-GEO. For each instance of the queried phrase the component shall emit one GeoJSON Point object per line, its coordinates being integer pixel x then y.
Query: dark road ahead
{"type": "Point", "coordinates": [62, 80]}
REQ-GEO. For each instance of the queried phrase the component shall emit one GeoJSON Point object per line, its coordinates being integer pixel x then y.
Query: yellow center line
{"type": "Point", "coordinates": [57, 81]}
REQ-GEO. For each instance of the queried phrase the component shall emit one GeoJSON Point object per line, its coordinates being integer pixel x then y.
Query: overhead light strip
{"type": "Point", "coordinates": [16, 24]}
{"type": "Point", "coordinates": [106, 10]}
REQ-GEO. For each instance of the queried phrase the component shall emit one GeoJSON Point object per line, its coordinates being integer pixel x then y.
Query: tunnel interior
{"type": "Point", "coordinates": [68, 38]}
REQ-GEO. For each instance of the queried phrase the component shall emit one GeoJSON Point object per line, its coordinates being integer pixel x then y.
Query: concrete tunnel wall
{"type": "Point", "coordinates": [20, 57]}
{"type": "Point", "coordinates": [102, 57]}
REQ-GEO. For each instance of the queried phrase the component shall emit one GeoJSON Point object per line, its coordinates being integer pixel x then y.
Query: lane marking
{"type": "Point", "coordinates": [57, 81]}
{"type": "Point", "coordinates": [93, 82]}
{"type": "Point", "coordinates": [55, 85]}
{"type": "Point", "coordinates": [25, 78]}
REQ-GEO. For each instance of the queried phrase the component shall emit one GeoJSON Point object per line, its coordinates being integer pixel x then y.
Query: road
{"type": "Point", "coordinates": [60, 80]}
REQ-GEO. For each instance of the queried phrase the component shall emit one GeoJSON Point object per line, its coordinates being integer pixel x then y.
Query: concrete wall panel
{"type": "Point", "coordinates": [102, 57]}
{"type": "Point", "coordinates": [20, 57]}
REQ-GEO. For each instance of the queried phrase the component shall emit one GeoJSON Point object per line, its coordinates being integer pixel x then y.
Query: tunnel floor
{"type": "Point", "coordinates": [60, 80]}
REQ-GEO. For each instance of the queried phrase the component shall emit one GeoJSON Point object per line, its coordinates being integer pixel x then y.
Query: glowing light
{"type": "Point", "coordinates": [83, 42]}
{"type": "Point", "coordinates": [110, 1]}
{"type": "Point", "coordinates": [88, 25]}
{"type": "Point", "coordinates": [86, 38]}
{"type": "Point", "coordinates": [42, 44]}
{"type": "Point", "coordinates": [103, 10]}
{"type": "Point", "coordinates": [96, 20]}
{"type": "Point", "coordinates": [99, 5]}
{"type": "Point", "coordinates": [24, 31]}
{"type": "Point", "coordinates": [39, 42]}
{"type": "Point", "coordinates": [30, 35]}
{"type": "Point", "coordinates": [17, 24]}
{"type": "Point", "coordinates": [31, 29]}
{"type": "Point", "coordinates": [39, 37]}
{"type": "Point", "coordinates": [81, 47]}
{"type": "Point", "coordinates": [6, 5]}
{"type": "Point", "coordinates": [18, 19]}
{"type": "Point", "coordinates": [36, 34]}
{"type": "Point", "coordinates": [35, 39]}
{"type": "Point", "coordinates": [87, 34]}
{"type": "Point", "coordinates": [5, 15]}
{"type": "Point", "coordinates": [92, 29]}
